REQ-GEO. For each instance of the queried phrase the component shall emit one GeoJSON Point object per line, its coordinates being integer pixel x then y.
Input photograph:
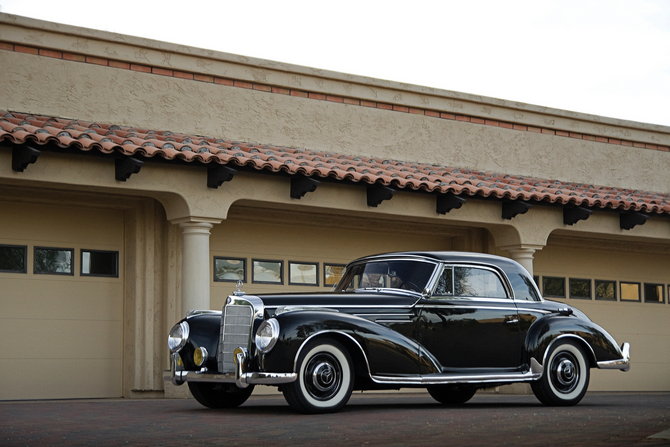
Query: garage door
{"type": "Point", "coordinates": [61, 289]}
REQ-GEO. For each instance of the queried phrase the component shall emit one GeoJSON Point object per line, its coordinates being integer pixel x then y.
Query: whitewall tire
{"type": "Point", "coordinates": [566, 375]}
{"type": "Point", "coordinates": [325, 378]}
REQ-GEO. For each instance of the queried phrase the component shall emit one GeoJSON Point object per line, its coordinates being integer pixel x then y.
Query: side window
{"type": "Point", "coordinates": [469, 282]}
{"type": "Point", "coordinates": [524, 289]}
{"type": "Point", "coordinates": [445, 285]}
{"type": "Point", "coordinates": [476, 282]}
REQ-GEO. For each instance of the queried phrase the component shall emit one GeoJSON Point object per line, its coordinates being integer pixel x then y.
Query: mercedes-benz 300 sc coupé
{"type": "Point", "coordinates": [448, 322]}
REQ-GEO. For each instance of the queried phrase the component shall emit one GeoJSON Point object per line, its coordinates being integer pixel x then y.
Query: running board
{"type": "Point", "coordinates": [535, 373]}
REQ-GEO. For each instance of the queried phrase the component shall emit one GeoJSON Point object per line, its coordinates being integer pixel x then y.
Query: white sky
{"type": "Point", "coordinates": [605, 57]}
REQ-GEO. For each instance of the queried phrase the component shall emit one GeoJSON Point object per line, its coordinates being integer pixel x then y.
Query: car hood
{"type": "Point", "coordinates": [339, 300]}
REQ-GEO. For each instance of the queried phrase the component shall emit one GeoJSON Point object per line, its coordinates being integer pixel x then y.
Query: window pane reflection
{"type": "Point", "coordinates": [630, 291]}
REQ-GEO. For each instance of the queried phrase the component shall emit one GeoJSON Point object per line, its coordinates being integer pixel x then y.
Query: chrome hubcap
{"type": "Point", "coordinates": [323, 376]}
{"type": "Point", "coordinates": [565, 372]}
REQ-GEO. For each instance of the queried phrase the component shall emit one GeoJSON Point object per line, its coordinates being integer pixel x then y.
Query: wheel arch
{"type": "Point", "coordinates": [545, 333]}
{"type": "Point", "coordinates": [361, 365]}
{"type": "Point", "coordinates": [590, 355]}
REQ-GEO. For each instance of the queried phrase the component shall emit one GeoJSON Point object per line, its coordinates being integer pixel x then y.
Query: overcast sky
{"type": "Point", "coordinates": [605, 57]}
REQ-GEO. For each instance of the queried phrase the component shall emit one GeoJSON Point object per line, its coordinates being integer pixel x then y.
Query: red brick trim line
{"type": "Point", "coordinates": [320, 96]}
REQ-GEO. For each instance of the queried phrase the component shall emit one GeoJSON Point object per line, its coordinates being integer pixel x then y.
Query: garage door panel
{"type": "Point", "coordinates": [62, 334]}
{"type": "Point", "coordinates": [65, 339]}
{"type": "Point", "coordinates": [63, 299]}
{"type": "Point", "coordinates": [60, 378]}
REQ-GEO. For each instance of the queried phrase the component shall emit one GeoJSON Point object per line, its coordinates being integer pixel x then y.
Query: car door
{"type": "Point", "coordinates": [470, 321]}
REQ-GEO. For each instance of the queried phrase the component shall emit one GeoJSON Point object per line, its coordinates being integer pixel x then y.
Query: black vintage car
{"type": "Point", "coordinates": [445, 321]}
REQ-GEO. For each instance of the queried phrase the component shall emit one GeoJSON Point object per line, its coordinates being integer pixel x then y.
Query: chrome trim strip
{"type": "Point", "coordinates": [193, 313]}
{"type": "Point", "coordinates": [286, 309]}
{"type": "Point", "coordinates": [535, 372]}
{"type": "Point", "coordinates": [511, 308]}
{"type": "Point", "coordinates": [623, 364]}
{"type": "Point", "coordinates": [540, 311]}
{"type": "Point", "coordinates": [473, 299]}
{"type": "Point", "coordinates": [353, 306]}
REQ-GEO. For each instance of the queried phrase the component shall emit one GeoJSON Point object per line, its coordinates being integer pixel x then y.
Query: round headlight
{"type": "Point", "coordinates": [178, 336]}
{"type": "Point", "coordinates": [266, 335]}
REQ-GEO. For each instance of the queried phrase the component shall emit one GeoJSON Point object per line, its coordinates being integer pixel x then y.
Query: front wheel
{"type": "Point", "coordinates": [325, 378]}
{"type": "Point", "coordinates": [566, 376]}
{"type": "Point", "coordinates": [452, 394]}
{"type": "Point", "coordinates": [219, 395]}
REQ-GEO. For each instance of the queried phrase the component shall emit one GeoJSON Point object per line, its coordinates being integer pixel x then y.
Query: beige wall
{"type": "Point", "coordinates": [109, 95]}
{"type": "Point", "coordinates": [251, 232]}
{"type": "Point", "coordinates": [333, 224]}
{"type": "Point", "coordinates": [643, 325]}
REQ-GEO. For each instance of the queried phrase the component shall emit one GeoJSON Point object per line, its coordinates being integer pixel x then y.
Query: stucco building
{"type": "Point", "coordinates": [139, 178]}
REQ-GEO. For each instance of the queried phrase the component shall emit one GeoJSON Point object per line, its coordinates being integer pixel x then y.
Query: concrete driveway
{"type": "Point", "coordinates": [601, 419]}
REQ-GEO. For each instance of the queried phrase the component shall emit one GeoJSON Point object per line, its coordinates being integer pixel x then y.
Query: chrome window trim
{"type": "Point", "coordinates": [484, 266]}
{"type": "Point", "coordinates": [432, 281]}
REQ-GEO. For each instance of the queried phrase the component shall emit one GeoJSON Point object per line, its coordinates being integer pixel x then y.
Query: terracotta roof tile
{"type": "Point", "coordinates": [86, 136]}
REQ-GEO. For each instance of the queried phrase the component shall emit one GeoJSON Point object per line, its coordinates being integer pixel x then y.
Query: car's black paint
{"type": "Point", "coordinates": [397, 337]}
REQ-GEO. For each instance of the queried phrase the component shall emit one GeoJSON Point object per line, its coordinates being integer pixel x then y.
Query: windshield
{"type": "Point", "coordinates": [397, 274]}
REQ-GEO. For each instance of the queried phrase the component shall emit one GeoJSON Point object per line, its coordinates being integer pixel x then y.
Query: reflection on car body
{"type": "Point", "coordinates": [449, 322]}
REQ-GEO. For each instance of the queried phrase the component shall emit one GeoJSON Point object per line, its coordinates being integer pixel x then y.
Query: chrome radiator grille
{"type": "Point", "coordinates": [236, 325]}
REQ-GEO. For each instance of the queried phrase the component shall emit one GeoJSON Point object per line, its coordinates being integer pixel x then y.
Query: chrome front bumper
{"type": "Point", "coordinates": [240, 377]}
{"type": "Point", "coordinates": [623, 364]}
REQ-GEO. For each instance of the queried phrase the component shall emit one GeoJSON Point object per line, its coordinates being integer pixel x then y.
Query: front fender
{"type": "Point", "coordinates": [203, 332]}
{"type": "Point", "coordinates": [384, 350]}
{"type": "Point", "coordinates": [598, 344]}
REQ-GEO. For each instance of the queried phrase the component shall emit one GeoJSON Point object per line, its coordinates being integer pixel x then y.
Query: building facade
{"type": "Point", "coordinates": [140, 179]}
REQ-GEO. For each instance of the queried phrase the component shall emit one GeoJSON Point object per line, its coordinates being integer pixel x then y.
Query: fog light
{"type": "Point", "coordinates": [179, 361]}
{"type": "Point", "coordinates": [200, 356]}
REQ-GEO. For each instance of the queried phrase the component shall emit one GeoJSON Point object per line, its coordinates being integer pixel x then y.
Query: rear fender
{"type": "Point", "coordinates": [597, 343]}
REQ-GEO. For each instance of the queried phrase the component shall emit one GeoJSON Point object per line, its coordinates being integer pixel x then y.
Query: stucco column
{"type": "Point", "coordinates": [523, 254]}
{"type": "Point", "coordinates": [195, 262]}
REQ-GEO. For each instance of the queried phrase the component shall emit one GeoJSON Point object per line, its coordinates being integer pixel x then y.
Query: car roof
{"type": "Point", "coordinates": [506, 264]}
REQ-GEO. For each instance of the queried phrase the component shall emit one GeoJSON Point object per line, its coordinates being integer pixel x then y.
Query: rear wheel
{"type": "Point", "coordinates": [452, 394]}
{"type": "Point", "coordinates": [566, 376]}
{"type": "Point", "coordinates": [219, 395]}
{"type": "Point", "coordinates": [325, 378]}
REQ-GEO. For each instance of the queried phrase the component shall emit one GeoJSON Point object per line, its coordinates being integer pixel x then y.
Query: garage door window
{"type": "Point", "coordinates": [54, 261]}
{"type": "Point", "coordinates": [99, 263]}
{"type": "Point", "coordinates": [13, 258]}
